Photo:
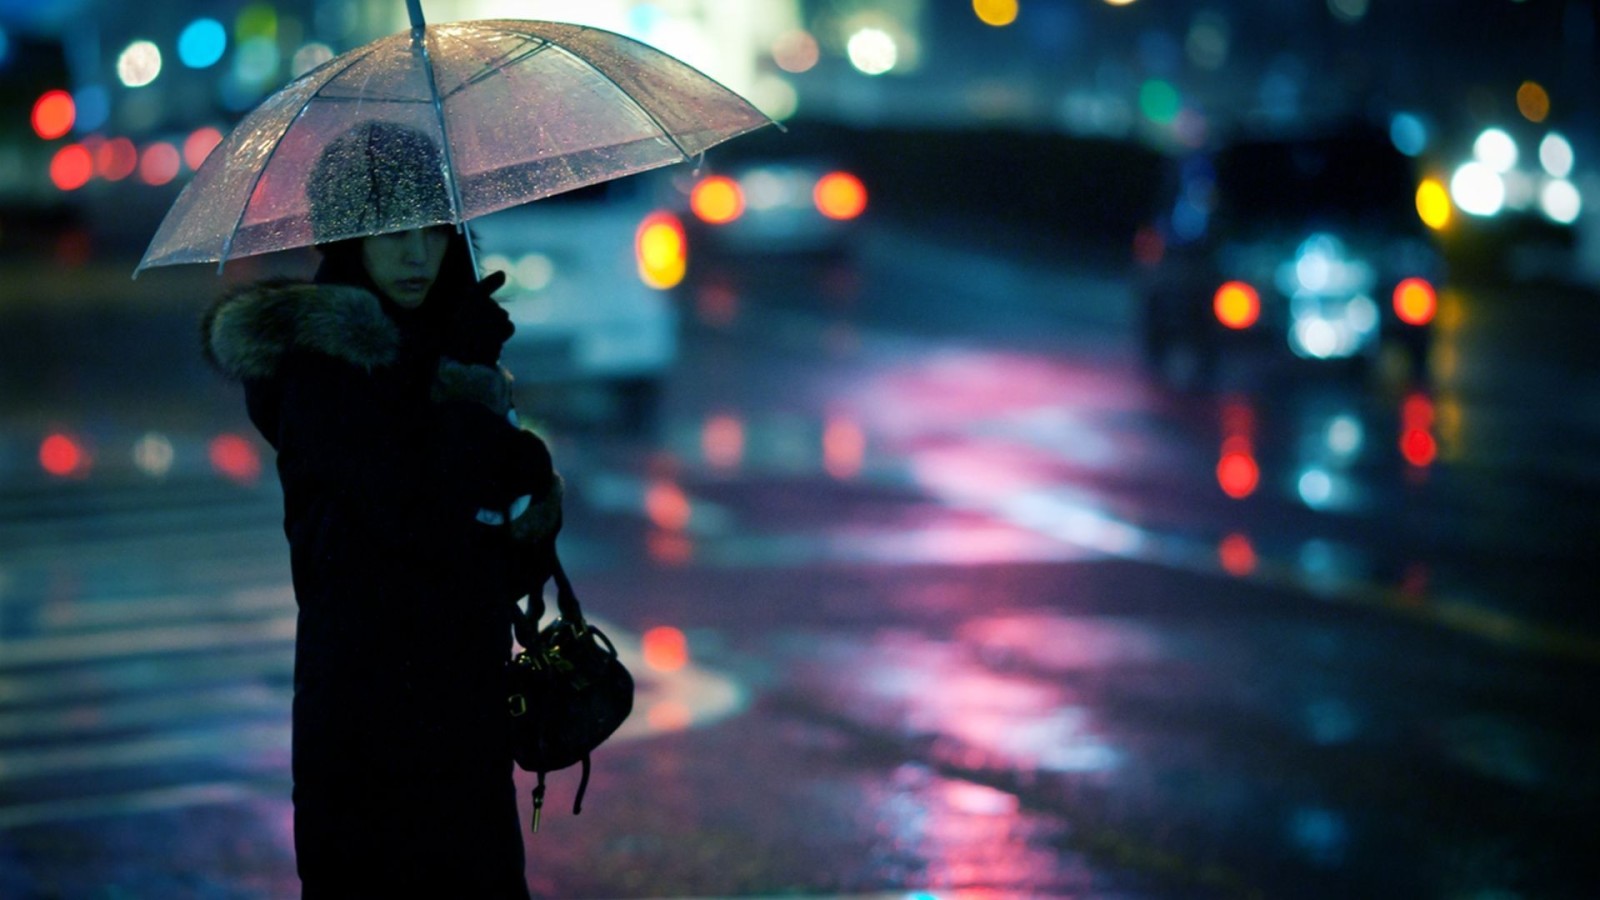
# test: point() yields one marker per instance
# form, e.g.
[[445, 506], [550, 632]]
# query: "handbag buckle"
[[519, 705]]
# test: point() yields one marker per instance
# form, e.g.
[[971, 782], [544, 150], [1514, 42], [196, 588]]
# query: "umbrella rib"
[[506, 60], [227, 245], [665, 132], [453, 182]]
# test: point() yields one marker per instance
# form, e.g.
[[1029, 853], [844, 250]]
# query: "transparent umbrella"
[[494, 113]]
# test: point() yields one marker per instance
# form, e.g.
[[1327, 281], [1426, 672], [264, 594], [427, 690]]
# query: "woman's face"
[[404, 264]]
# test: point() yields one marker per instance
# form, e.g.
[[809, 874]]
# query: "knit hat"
[[376, 178]]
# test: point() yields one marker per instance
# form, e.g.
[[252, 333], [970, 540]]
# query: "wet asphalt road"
[[933, 590]]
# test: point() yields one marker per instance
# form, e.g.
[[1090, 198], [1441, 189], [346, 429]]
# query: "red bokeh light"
[[62, 456], [71, 167], [1418, 447], [1237, 555], [159, 163], [1238, 474], [665, 648], [116, 159], [235, 458], [667, 506], [199, 144], [53, 114]]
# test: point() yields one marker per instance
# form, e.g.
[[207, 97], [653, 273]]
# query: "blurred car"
[[1311, 246], [801, 205], [589, 275], [1518, 204]]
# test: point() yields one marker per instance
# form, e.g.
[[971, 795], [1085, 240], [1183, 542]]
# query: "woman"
[[376, 383]]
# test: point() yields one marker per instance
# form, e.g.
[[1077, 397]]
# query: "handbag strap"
[[526, 624]]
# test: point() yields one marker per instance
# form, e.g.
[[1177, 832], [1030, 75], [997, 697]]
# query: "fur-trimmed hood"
[[249, 330]]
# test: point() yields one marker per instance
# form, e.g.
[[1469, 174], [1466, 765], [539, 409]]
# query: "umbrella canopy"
[[501, 111]]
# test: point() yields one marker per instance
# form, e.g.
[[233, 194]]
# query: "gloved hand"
[[480, 326], [488, 385]]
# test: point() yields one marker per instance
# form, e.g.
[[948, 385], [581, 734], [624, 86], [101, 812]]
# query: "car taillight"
[[662, 250], [840, 195], [717, 200], [1237, 305], [1415, 301]]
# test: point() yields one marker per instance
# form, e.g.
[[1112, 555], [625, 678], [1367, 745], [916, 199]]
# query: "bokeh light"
[[722, 441], [1415, 301], [234, 457], [116, 159], [309, 57], [1237, 472], [666, 505], [255, 61], [1433, 204], [844, 447], [153, 454], [258, 20], [1237, 555], [94, 107], [63, 456], [998, 13], [1560, 201], [872, 51], [1533, 101], [71, 167], [717, 200], [1408, 133], [661, 251], [1159, 101], [1495, 149], [159, 163], [1237, 305], [840, 195], [139, 64], [53, 114], [664, 648], [1208, 41], [1555, 155], [199, 144], [1348, 11], [202, 43], [795, 51], [1477, 189]]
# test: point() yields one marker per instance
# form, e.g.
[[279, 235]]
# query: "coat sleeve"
[[399, 460]]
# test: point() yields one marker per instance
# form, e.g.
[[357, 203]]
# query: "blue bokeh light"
[[1409, 134], [93, 104], [202, 43]]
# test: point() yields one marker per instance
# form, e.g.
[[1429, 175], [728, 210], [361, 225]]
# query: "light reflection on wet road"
[[925, 596]]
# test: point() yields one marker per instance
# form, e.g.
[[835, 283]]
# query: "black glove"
[[480, 326]]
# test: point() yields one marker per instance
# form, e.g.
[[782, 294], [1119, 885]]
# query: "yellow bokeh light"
[[1533, 101], [1237, 305], [998, 13], [1433, 204], [662, 251]]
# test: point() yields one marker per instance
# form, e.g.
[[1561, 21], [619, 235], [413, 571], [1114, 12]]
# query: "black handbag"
[[568, 691]]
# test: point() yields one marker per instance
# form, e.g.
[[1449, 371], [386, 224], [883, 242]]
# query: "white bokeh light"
[[1477, 189], [872, 51], [139, 64], [1495, 149], [1560, 201], [1555, 154]]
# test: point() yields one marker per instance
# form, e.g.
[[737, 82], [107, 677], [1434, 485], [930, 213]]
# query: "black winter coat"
[[401, 766]]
